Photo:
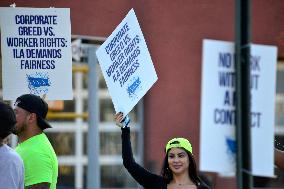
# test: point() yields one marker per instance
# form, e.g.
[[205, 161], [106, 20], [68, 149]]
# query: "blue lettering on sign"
[[132, 88], [227, 79], [226, 60], [38, 83]]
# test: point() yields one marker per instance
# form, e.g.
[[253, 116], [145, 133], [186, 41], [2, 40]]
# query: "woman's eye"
[[171, 156]]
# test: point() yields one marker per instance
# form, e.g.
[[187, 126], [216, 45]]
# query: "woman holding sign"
[[179, 168]]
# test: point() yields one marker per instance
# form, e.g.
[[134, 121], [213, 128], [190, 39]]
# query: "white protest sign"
[[76, 49], [80, 50], [218, 142], [126, 64], [36, 52]]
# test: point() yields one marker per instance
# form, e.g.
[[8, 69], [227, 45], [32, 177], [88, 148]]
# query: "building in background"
[[174, 31]]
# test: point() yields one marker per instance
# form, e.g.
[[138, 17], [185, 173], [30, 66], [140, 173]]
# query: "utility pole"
[[243, 97], [93, 177]]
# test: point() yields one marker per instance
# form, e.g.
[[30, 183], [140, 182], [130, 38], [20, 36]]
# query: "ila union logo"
[[38, 83]]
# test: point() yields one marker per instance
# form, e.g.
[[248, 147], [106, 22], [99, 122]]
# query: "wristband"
[[125, 122]]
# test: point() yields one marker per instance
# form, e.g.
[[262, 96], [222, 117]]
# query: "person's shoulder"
[[10, 151], [39, 142], [12, 155]]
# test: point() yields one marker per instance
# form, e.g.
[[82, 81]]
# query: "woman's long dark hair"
[[167, 173]]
